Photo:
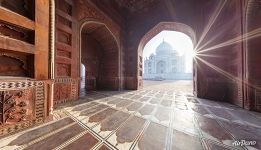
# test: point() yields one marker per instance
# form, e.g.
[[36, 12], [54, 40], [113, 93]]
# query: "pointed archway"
[[168, 26], [99, 52]]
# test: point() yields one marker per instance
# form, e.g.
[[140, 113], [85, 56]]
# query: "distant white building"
[[166, 64]]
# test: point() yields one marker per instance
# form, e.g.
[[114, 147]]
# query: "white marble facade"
[[166, 64]]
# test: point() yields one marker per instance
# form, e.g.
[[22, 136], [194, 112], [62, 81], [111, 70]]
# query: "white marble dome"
[[165, 49]]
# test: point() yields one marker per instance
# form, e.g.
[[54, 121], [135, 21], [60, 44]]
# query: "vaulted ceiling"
[[135, 5], [123, 11], [127, 6], [120, 10], [102, 35]]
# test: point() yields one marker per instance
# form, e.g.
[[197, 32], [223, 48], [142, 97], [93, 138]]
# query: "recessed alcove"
[[16, 64], [18, 33], [25, 8]]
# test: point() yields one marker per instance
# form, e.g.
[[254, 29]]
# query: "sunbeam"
[[211, 21], [250, 35], [218, 34], [208, 55], [209, 41], [226, 74]]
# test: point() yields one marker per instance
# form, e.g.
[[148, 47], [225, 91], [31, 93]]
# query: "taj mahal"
[[166, 64]]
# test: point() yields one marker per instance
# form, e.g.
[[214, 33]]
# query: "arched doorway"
[[161, 67], [99, 53], [167, 26]]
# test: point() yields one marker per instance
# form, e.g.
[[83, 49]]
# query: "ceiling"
[[124, 11], [133, 6], [120, 10]]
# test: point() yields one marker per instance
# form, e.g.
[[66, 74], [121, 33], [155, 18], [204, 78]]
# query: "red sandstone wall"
[[253, 59], [223, 82]]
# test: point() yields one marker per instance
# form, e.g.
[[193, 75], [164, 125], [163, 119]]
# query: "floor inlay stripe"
[[46, 136]]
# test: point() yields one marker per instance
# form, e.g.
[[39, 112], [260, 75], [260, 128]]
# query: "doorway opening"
[[100, 56], [168, 58], [167, 52], [83, 74]]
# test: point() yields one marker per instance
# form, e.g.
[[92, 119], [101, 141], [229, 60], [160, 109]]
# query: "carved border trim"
[[64, 80], [16, 85]]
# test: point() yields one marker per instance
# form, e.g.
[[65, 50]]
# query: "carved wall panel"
[[17, 106], [62, 92], [22, 105], [64, 21], [63, 70], [64, 6], [63, 53], [64, 37], [65, 89]]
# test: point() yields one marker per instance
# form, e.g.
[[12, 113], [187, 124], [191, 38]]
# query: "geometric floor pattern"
[[148, 119]]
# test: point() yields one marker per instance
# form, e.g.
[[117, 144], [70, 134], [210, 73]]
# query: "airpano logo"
[[244, 143]]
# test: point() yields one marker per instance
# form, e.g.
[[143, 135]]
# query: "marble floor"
[[160, 116]]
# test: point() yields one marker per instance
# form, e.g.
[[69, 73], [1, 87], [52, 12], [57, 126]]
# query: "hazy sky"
[[179, 41]]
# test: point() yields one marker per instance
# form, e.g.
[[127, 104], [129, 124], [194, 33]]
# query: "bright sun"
[[193, 53]]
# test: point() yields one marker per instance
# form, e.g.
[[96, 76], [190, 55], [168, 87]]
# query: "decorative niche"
[[16, 64], [17, 33], [65, 7], [25, 8]]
